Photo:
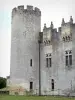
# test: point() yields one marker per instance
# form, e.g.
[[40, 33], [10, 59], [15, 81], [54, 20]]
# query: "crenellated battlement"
[[66, 24], [29, 9]]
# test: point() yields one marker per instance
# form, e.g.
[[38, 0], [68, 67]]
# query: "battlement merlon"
[[35, 10], [21, 7], [14, 10], [18, 8], [29, 8]]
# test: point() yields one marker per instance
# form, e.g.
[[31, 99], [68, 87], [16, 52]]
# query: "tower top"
[[29, 9]]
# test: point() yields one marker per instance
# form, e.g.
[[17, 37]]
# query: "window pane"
[[50, 62], [52, 83], [30, 62], [70, 59], [31, 85], [52, 86], [66, 60], [46, 62]]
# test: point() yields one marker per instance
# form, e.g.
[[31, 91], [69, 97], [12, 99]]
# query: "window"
[[68, 58], [63, 39], [31, 85], [30, 62], [48, 60], [52, 84]]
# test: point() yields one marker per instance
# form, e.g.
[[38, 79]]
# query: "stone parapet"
[[36, 11]]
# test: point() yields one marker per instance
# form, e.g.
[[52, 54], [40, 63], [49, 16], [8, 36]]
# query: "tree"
[[2, 82]]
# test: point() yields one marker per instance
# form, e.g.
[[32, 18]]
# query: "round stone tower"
[[25, 28]]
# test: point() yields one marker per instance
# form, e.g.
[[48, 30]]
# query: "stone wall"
[[26, 25], [64, 77]]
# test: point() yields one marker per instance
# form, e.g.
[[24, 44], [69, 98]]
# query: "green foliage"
[[2, 82]]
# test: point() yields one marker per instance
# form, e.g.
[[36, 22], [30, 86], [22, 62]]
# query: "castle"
[[42, 61]]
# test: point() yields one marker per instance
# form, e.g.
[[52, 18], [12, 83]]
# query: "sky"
[[52, 10]]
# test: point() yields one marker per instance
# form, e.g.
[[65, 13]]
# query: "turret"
[[71, 20], [44, 26], [63, 22], [52, 26]]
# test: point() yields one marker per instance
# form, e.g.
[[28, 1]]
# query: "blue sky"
[[5, 42], [52, 10]]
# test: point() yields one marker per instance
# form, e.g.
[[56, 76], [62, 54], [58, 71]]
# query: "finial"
[[63, 22], [71, 19], [51, 25], [44, 25]]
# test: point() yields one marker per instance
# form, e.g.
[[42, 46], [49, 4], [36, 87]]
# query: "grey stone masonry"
[[25, 28], [56, 52]]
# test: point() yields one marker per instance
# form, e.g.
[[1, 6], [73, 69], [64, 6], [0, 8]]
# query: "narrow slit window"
[[31, 85], [52, 84], [66, 60], [30, 62], [50, 62], [46, 62], [70, 59]]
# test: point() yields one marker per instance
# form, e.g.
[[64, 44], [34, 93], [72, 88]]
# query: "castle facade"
[[42, 61]]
